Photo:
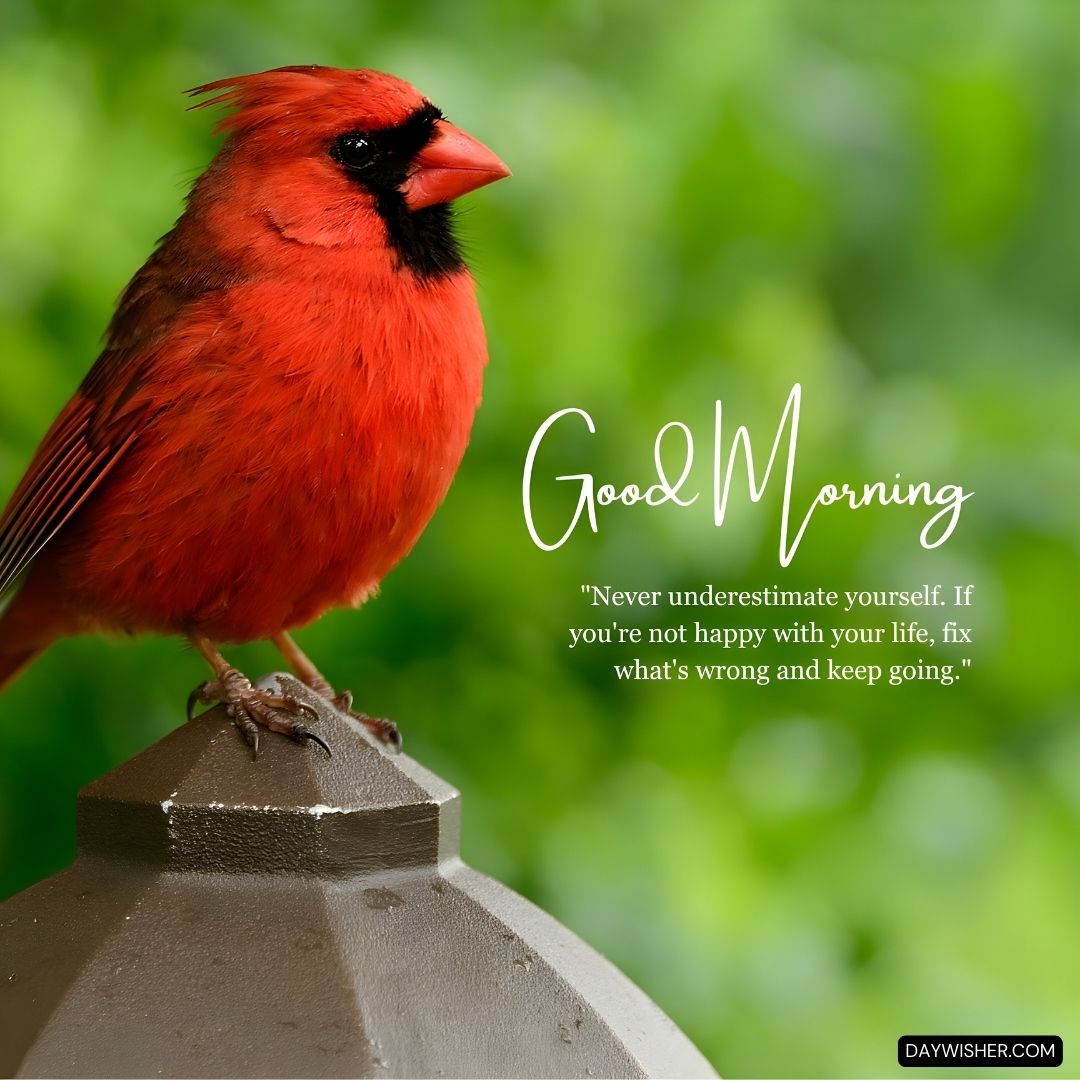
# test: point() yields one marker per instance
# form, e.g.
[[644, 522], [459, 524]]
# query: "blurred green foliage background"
[[711, 199]]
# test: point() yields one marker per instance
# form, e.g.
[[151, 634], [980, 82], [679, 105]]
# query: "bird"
[[286, 390]]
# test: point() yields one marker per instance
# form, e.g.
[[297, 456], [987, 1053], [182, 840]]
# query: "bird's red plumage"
[[280, 407]]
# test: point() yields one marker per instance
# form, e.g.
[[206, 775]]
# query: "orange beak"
[[452, 164]]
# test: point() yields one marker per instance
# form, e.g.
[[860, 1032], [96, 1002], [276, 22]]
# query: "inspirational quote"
[[731, 638]]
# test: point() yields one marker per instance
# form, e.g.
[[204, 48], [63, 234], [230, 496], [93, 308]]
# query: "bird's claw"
[[250, 731], [197, 696], [250, 708], [386, 731], [301, 735]]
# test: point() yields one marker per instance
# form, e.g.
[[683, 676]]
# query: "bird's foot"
[[386, 731], [250, 708]]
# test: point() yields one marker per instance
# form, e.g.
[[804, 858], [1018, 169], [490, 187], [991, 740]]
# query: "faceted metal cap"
[[300, 916]]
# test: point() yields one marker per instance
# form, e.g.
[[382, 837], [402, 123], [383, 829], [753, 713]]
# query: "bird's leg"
[[384, 730], [248, 707]]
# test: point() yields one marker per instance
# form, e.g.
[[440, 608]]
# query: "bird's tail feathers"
[[28, 626], [12, 663]]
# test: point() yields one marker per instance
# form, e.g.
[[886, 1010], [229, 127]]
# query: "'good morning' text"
[[948, 498]]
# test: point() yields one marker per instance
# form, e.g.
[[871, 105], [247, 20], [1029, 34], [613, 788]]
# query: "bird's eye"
[[355, 151]]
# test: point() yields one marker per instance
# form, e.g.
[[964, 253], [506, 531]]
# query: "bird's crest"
[[308, 97]]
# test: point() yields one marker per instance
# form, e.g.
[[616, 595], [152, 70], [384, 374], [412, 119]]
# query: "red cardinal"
[[286, 391]]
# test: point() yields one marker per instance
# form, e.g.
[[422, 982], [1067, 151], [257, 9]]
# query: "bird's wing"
[[98, 425], [88, 438]]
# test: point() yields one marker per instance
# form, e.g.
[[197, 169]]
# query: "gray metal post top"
[[299, 916]]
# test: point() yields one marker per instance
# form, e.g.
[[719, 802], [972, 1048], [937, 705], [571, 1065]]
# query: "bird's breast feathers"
[[332, 422]]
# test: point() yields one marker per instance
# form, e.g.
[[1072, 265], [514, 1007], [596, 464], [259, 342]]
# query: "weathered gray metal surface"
[[304, 917]]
